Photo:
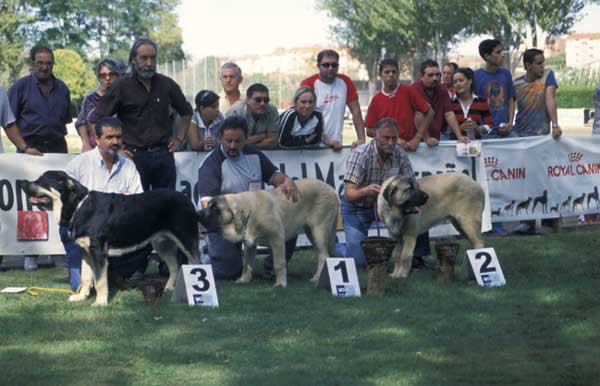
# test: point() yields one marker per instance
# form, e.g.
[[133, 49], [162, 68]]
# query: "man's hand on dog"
[[371, 190], [288, 187]]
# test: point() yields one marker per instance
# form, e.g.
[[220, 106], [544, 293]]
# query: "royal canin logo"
[[574, 167], [575, 156], [490, 162], [499, 174]]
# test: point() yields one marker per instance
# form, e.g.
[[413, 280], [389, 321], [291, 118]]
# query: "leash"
[[35, 291], [376, 218]]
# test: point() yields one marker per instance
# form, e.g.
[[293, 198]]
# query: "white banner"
[[322, 164], [539, 177]]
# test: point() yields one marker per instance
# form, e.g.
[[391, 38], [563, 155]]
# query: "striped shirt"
[[363, 168], [478, 111]]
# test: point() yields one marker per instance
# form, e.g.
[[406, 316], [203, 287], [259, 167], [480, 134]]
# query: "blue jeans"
[[73, 253], [357, 221], [226, 257]]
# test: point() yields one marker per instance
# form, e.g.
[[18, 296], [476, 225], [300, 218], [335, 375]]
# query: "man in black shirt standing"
[[141, 100]]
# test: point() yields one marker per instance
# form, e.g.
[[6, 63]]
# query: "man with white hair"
[[231, 78]]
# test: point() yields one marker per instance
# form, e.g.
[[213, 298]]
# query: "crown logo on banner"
[[575, 156], [490, 162]]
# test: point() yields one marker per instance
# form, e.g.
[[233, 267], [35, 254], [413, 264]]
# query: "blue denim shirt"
[[36, 114]]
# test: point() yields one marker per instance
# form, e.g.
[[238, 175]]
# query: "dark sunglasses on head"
[[328, 65], [266, 100], [208, 94]]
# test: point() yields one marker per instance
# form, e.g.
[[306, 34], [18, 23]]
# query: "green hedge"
[[573, 97]]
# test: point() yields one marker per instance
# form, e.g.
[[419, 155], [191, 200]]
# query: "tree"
[[69, 66], [403, 29], [106, 27], [12, 40]]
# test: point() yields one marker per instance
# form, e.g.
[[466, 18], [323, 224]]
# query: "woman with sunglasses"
[[301, 125], [107, 71], [207, 118], [472, 112]]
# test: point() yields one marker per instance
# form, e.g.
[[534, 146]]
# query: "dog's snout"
[[419, 198]]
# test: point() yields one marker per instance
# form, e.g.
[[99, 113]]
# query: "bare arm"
[[14, 134], [353, 193], [453, 123], [511, 115], [422, 130], [85, 138], [551, 108], [359, 123], [184, 125]]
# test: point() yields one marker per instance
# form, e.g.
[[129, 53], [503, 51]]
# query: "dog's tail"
[[192, 257]]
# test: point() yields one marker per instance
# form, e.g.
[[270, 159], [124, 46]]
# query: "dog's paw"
[[77, 297], [314, 279], [399, 274], [243, 280], [281, 284], [100, 303]]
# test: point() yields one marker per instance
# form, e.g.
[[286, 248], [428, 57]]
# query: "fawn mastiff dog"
[[410, 207], [269, 218]]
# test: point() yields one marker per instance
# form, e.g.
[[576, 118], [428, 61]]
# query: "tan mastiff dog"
[[409, 209], [269, 218]]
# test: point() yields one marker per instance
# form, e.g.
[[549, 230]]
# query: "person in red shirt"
[[401, 103], [471, 110], [436, 94]]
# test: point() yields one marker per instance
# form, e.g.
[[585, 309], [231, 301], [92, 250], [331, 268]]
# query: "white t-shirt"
[[331, 101], [90, 170]]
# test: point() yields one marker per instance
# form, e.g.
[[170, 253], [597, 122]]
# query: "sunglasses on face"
[[266, 100], [330, 65]]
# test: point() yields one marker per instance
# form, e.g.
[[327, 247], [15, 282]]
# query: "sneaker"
[[30, 264], [60, 261], [524, 229]]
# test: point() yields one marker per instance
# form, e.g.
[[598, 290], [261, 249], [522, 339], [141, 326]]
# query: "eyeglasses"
[[266, 100], [43, 64], [107, 75], [330, 65]]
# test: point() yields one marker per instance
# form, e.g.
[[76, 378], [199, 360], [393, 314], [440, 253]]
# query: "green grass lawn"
[[543, 328]]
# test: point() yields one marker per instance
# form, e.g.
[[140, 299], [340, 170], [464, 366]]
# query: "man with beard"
[[367, 167], [436, 94], [105, 170], [141, 100]]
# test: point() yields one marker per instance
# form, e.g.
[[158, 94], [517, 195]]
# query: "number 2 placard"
[[486, 267], [342, 277]]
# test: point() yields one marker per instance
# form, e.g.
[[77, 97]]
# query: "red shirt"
[[401, 106], [441, 104]]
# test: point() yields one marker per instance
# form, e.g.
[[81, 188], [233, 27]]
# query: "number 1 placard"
[[342, 277], [196, 283], [486, 267]]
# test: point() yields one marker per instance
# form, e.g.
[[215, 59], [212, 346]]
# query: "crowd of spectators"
[[154, 119]]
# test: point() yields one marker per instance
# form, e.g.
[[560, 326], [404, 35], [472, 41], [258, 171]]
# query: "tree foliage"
[[71, 69], [106, 27], [12, 39], [411, 30]]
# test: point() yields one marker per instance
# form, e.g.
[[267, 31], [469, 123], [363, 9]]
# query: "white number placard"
[[486, 267], [196, 283], [342, 277]]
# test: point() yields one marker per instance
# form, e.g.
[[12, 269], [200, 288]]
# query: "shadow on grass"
[[540, 329]]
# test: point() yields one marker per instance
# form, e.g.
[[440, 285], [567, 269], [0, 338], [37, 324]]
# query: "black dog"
[[108, 224], [578, 202], [523, 205], [543, 200], [593, 196], [510, 208]]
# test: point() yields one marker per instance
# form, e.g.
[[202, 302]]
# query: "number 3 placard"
[[486, 267], [196, 283]]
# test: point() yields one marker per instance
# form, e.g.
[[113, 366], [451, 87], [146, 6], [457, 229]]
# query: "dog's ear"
[[389, 191]]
